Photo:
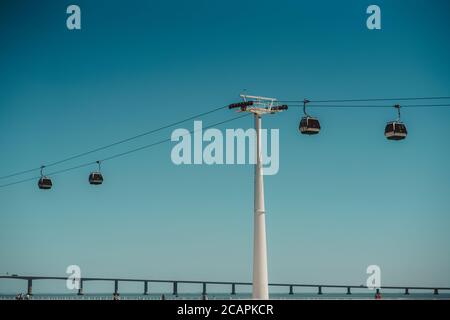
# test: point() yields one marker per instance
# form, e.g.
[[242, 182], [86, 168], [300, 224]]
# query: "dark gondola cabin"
[[309, 125], [45, 183], [95, 178], [395, 130]]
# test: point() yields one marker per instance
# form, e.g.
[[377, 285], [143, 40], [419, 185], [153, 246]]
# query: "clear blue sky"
[[342, 200]]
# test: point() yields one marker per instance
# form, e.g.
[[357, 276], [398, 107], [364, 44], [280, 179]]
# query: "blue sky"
[[341, 201]]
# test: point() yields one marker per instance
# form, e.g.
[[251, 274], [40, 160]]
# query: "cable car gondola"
[[395, 130], [308, 125], [44, 182], [96, 178]]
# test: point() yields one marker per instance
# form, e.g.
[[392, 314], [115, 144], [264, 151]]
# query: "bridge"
[[231, 284]]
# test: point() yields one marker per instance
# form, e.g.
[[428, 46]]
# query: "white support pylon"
[[259, 106], [260, 277]]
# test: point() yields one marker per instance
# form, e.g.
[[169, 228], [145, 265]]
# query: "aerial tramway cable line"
[[394, 130]]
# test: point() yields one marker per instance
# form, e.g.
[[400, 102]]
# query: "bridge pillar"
[[291, 289], [116, 286], [233, 288], [80, 289], [406, 291], [175, 288], [349, 290], [204, 288], [30, 287], [436, 291], [320, 290], [145, 288]]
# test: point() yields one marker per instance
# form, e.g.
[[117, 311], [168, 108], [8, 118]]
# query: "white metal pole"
[[260, 278]]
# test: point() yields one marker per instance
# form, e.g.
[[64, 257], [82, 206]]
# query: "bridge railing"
[[290, 287]]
